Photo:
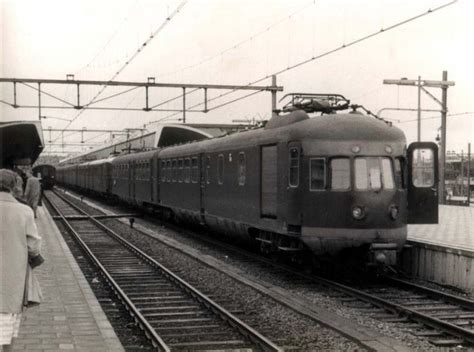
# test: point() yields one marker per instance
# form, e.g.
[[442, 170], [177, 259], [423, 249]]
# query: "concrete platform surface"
[[70, 317], [455, 228]]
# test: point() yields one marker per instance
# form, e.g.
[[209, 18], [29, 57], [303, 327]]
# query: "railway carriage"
[[46, 174], [134, 178], [339, 184], [99, 176]]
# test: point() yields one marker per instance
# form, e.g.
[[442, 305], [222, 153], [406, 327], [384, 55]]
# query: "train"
[[315, 179], [47, 175]]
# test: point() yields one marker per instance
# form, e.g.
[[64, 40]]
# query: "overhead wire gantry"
[[38, 85]]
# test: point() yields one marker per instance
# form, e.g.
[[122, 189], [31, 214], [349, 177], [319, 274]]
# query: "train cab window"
[[294, 162], [194, 170], [180, 170], [387, 174], [373, 173], [174, 172], [220, 169], [340, 174], [317, 176], [399, 174], [242, 168], [187, 170], [422, 166]]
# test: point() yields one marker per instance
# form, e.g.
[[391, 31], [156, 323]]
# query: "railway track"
[[174, 315], [445, 320]]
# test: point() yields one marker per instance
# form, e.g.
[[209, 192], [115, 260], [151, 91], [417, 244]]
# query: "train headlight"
[[358, 212], [393, 211]]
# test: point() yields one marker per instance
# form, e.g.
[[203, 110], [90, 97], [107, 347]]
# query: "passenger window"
[[399, 174], [294, 163], [242, 168], [208, 170], [340, 174], [220, 169], [174, 171], [317, 175], [422, 166], [187, 170], [194, 170], [163, 171], [180, 170], [168, 170]]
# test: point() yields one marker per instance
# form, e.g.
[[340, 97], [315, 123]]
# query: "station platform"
[[455, 228], [443, 253], [70, 317]]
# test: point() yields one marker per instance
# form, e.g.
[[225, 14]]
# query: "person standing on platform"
[[18, 190], [32, 191], [19, 243]]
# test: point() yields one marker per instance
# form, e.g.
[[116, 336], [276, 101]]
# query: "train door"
[[294, 196], [155, 178], [204, 180], [131, 179], [422, 183], [268, 181]]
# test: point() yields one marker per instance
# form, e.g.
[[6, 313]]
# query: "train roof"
[[43, 166], [135, 156], [298, 126]]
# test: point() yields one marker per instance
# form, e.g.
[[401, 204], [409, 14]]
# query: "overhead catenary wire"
[[316, 57], [130, 60], [108, 41], [465, 113], [240, 43]]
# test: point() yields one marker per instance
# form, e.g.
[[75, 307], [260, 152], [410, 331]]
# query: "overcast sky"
[[238, 42]]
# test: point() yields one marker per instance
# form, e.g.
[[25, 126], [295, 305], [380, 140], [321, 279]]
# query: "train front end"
[[351, 201]]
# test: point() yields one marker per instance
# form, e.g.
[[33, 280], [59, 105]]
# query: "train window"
[[340, 174], [208, 170], [373, 173], [220, 169], [387, 174], [180, 170], [294, 167], [174, 172], [163, 171], [168, 170], [399, 175], [187, 170], [194, 170], [317, 176], [242, 168], [422, 166]]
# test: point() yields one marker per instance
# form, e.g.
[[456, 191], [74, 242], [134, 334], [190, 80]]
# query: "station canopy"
[[21, 142]]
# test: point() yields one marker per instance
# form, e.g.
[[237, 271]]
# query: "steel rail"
[[462, 302], [231, 319], [138, 317]]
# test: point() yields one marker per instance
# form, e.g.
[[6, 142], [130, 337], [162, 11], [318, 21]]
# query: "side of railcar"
[[121, 183], [99, 176], [180, 182], [144, 175]]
